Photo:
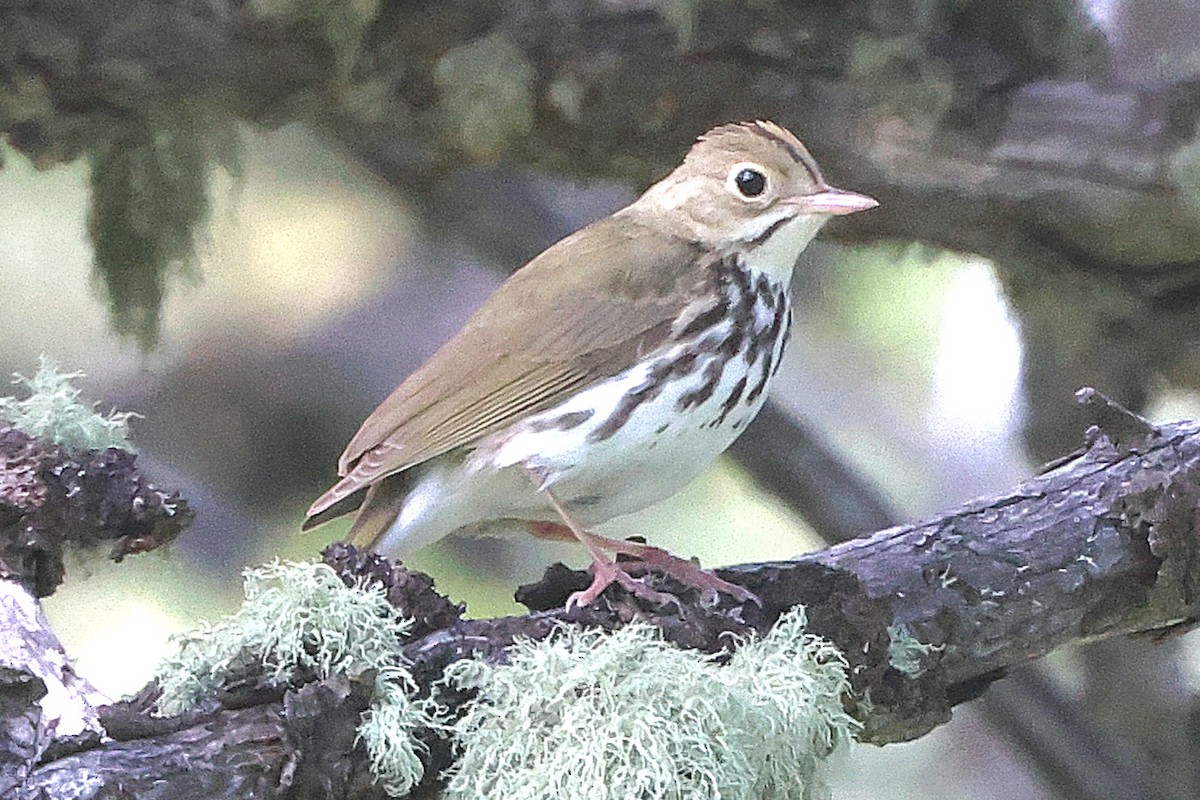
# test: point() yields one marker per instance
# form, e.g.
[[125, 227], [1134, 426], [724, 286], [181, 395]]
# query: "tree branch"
[[1076, 756], [51, 498], [1102, 544], [965, 134]]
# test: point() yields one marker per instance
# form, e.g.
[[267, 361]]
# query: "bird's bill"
[[834, 202]]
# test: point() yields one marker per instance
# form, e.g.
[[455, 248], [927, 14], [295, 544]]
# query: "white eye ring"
[[748, 181]]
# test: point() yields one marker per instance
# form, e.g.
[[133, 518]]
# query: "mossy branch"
[[69, 478], [1103, 543]]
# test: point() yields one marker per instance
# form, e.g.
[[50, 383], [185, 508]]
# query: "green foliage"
[[301, 616], [629, 716], [53, 411]]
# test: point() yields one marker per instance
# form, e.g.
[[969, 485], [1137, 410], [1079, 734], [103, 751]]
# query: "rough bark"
[[1102, 544], [52, 499], [1076, 754]]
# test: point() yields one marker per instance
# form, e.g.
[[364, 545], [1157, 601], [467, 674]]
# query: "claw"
[[605, 573], [681, 569]]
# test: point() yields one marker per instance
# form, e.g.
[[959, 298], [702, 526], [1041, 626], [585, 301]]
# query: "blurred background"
[[250, 238]]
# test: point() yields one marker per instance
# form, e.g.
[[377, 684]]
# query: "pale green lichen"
[[388, 728], [907, 653], [53, 411], [628, 716], [301, 615]]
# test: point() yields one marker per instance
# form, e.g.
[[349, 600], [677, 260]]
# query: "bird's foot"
[[683, 570], [604, 574]]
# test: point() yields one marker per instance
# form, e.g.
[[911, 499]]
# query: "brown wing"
[[582, 310]]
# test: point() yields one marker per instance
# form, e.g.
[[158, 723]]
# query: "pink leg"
[[685, 571], [552, 531], [606, 571]]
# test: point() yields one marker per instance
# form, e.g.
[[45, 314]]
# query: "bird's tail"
[[379, 510], [377, 505]]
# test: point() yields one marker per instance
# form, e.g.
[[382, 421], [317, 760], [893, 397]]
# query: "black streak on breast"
[[731, 402], [766, 345], [736, 294], [660, 374]]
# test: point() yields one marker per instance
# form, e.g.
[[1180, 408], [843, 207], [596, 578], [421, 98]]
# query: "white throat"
[[777, 256]]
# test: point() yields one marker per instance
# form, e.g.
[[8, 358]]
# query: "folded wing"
[[583, 310]]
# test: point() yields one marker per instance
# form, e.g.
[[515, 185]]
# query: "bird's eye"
[[750, 182]]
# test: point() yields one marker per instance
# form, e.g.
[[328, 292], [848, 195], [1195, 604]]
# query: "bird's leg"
[[606, 571], [552, 531]]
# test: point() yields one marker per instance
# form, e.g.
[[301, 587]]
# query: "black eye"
[[750, 182]]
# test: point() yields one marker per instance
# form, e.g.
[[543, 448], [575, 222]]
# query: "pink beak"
[[835, 202]]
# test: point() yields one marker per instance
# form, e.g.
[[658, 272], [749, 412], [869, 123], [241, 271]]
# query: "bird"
[[605, 374]]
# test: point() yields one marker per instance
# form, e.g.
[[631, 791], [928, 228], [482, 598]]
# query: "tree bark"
[[52, 500], [1102, 544]]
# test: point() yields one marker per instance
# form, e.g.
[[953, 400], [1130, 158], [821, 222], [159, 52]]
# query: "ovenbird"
[[605, 374]]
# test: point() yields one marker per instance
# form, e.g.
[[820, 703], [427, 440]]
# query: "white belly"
[[654, 453], [641, 436]]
